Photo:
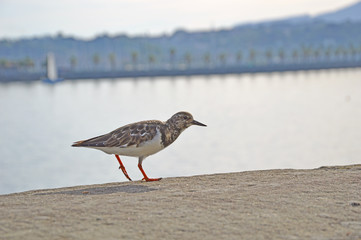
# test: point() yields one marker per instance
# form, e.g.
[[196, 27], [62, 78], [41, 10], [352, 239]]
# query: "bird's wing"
[[129, 135]]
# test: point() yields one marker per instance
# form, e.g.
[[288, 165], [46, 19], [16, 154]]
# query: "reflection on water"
[[260, 121]]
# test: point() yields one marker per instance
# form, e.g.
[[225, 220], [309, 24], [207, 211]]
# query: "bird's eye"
[[185, 117]]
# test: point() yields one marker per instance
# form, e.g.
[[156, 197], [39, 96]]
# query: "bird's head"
[[183, 120]]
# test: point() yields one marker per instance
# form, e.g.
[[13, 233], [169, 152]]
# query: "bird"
[[141, 139]]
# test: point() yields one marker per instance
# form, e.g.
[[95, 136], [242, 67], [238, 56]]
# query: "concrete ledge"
[[321, 203]]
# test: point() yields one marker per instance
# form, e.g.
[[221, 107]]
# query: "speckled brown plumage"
[[128, 135]]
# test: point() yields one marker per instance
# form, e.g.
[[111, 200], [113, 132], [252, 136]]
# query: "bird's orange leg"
[[146, 178], [122, 167]]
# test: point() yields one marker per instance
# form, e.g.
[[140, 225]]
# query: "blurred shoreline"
[[78, 75]]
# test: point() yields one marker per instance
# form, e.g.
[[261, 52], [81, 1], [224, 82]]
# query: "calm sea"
[[259, 121]]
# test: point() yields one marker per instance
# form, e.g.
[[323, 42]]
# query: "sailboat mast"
[[51, 70]]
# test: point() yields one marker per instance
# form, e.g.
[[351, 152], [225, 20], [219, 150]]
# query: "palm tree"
[[29, 63], [188, 59], [353, 51], [345, 53], [73, 62], [96, 60], [134, 60], [328, 52], [295, 55], [306, 52], [112, 61], [172, 57], [3, 63], [316, 54], [281, 55], [26, 63], [151, 60], [207, 59], [223, 59], [239, 57], [269, 56], [252, 56], [338, 52]]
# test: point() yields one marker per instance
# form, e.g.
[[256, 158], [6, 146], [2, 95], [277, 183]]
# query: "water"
[[260, 121]]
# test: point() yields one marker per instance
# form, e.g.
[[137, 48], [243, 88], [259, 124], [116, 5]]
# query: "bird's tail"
[[78, 143]]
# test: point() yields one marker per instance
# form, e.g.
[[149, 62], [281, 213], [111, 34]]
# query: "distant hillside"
[[273, 40], [351, 13]]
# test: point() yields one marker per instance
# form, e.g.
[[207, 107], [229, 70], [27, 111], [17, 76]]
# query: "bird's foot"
[[125, 173], [151, 179], [122, 167]]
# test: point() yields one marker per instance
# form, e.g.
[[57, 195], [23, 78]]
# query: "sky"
[[89, 18]]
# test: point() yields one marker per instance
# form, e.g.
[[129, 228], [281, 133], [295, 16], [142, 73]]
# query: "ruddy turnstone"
[[141, 139]]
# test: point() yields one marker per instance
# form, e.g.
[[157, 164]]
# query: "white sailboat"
[[51, 70]]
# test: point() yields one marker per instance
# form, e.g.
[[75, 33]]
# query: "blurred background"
[[278, 83]]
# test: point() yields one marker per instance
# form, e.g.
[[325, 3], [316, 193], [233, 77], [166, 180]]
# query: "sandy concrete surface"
[[321, 203]]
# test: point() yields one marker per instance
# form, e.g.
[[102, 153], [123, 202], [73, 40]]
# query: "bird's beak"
[[194, 122]]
